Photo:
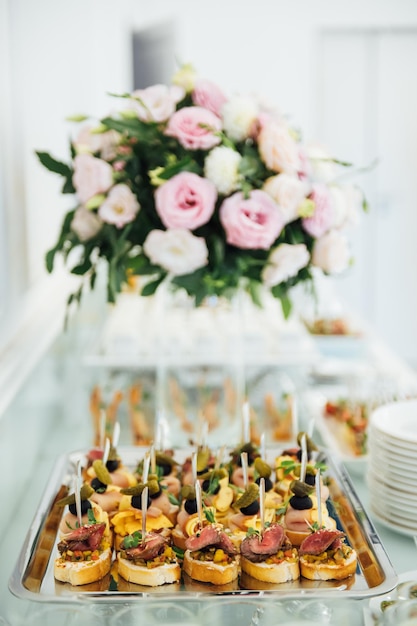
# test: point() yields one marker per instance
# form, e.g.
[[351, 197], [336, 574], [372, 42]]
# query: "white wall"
[[65, 57]]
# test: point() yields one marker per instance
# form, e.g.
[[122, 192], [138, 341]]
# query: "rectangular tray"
[[33, 577]]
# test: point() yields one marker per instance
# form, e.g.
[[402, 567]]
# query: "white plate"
[[405, 516], [375, 603], [403, 493], [400, 466], [397, 419], [394, 478], [390, 444], [403, 529]]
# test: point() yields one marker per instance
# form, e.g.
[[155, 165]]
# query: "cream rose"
[[176, 250], [239, 117], [346, 201], [120, 206], [89, 141], [288, 192], [284, 262], [331, 252], [278, 148], [222, 168], [86, 224], [91, 176], [156, 103]]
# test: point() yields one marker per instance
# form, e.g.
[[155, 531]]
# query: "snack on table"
[[211, 556], [325, 556], [348, 421], [269, 556], [151, 562], [86, 550]]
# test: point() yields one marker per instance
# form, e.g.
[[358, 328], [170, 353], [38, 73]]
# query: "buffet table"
[[33, 434]]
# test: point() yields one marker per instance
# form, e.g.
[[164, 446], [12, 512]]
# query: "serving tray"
[[33, 578]]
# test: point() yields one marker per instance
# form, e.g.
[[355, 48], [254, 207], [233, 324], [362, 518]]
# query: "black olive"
[[251, 509], [85, 506], [112, 465], [310, 479], [153, 496], [137, 502], [206, 487], [165, 468], [268, 483], [191, 506], [301, 502], [98, 486], [203, 471]]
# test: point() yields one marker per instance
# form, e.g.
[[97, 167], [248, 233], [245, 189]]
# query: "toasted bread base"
[[269, 572], [329, 571], [150, 577], [83, 572], [209, 572]]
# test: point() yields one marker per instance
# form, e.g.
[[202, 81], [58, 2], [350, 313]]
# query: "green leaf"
[[82, 268], [53, 165], [49, 259], [150, 288], [286, 305]]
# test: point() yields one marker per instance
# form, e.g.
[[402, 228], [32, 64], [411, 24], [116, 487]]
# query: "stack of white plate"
[[392, 465]]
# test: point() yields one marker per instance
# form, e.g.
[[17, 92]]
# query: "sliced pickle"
[[85, 492], [136, 490], [264, 470], [203, 456], [102, 472], [300, 489], [153, 487], [164, 459], [250, 495], [188, 492]]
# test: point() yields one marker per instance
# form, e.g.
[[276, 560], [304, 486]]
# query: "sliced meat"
[[226, 544], [209, 536], [257, 548], [153, 545], [318, 542], [83, 538]]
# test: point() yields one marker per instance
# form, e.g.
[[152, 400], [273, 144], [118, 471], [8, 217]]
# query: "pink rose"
[[322, 218], [195, 128], [91, 176], [209, 96], [252, 223], [157, 103], [185, 201]]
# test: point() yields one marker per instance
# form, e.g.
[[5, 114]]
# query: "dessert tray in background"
[[33, 575]]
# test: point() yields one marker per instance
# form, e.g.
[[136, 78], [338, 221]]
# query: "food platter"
[[33, 577]]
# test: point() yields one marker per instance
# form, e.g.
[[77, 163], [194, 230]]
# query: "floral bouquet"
[[210, 192]]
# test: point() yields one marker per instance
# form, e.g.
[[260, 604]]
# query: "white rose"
[[85, 224], [284, 262], [91, 176], [89, 141], [288, 192], [331, 252], [222, 168], [278, 148], [323, 168], [176, 250], [185, 77], [347, 201], [157, 103], [120, 207], [239, 116]]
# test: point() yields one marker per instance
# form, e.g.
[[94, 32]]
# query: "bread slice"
[[209, 572], [150, 577], [328, 570], [83, 572], [271, 572]]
